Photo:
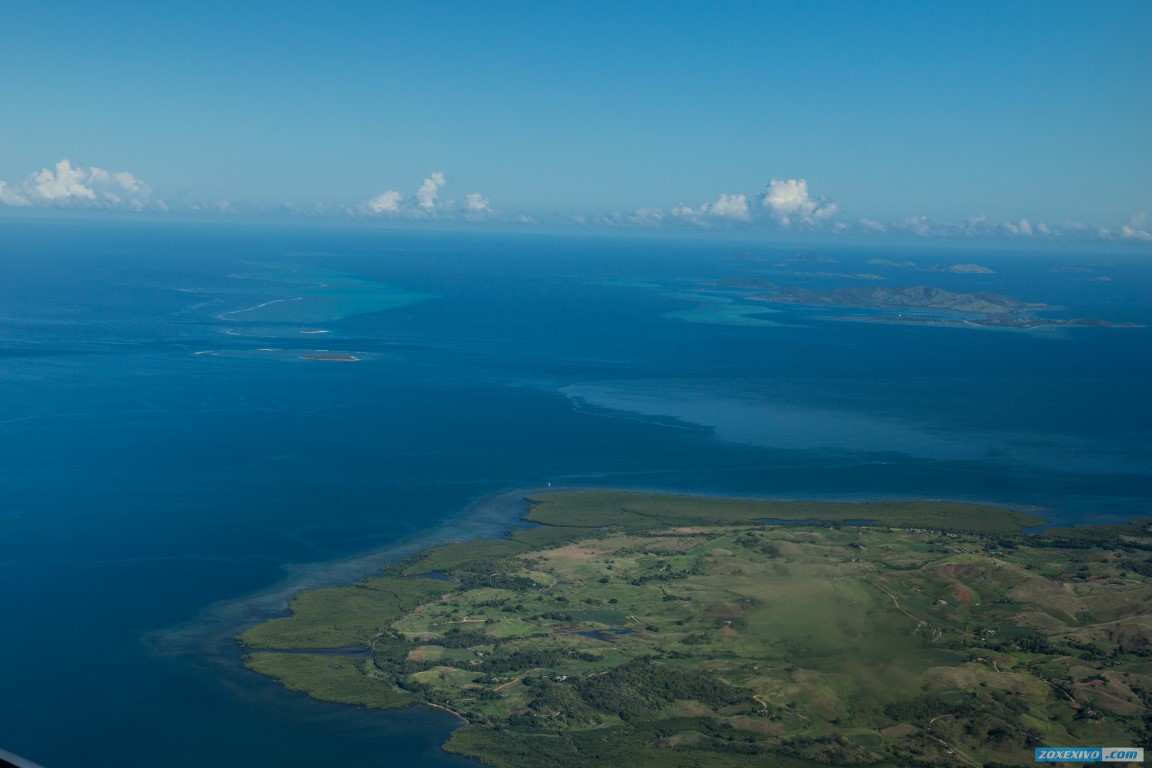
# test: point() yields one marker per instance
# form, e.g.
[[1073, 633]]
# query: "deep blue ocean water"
[[164, 449]]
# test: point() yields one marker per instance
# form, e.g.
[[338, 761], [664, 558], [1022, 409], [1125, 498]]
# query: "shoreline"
[[205, 645], [443, 708], [737, 567], [209, 635], [206, 641]]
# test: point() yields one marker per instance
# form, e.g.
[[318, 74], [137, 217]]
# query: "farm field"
[[670, 630]]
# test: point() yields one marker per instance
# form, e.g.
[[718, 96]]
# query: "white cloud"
[[727, 208], [789, 202], [68, 185], [1135, 229], [128, 182], [66, 182], [786, 204], [429, 190], [474, 202], [9, 196], [426, 203], [386, 202], [641, 217], [789, 205], [651, 216], [1022, 228], [730, 207], [916, 225]]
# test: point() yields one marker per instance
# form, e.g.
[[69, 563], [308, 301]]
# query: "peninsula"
[[650, 629]]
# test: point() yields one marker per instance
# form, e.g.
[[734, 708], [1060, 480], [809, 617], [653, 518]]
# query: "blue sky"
[[944, 117]]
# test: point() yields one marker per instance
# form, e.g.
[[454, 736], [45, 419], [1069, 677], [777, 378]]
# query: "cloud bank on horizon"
[[784, 205], [74, 186], [425, 203]]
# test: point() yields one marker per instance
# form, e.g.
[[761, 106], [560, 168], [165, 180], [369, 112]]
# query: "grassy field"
[[669, 630]]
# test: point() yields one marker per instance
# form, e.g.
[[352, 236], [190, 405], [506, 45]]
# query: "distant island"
[[970, 269], [963, 269], [337, 357], [982, 308], [890, 263], [648, 629], [915, 297]]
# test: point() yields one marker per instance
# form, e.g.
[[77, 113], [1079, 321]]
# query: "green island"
[[647, 629]]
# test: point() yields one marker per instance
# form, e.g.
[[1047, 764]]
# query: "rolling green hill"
[[669, 630]]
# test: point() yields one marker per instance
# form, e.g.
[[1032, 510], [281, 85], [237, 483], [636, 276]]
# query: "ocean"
[[197, 419]]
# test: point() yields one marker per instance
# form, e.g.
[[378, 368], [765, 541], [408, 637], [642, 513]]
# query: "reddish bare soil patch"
[[953, 571], [722, 610]]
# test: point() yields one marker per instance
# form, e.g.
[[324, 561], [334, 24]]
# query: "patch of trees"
[[515, 661], [1003, 732], [640, 581], [1143, 568], [641, 688], [833, 750], [524, 744], [1114, 543], [1011, 701], [461, 638], [555, 616], [753, 542], [1032, 643], [413, 686], [562, 702], [925, 708], [496, 580], [1088, 651]]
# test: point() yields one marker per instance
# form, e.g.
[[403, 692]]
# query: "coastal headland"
[[657, 629]]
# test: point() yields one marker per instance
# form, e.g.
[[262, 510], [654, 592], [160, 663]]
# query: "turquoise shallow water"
[[166, 453]]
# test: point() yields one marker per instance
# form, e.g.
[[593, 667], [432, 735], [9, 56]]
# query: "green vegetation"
[[343, 616], [591, 509], [678, 631]]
